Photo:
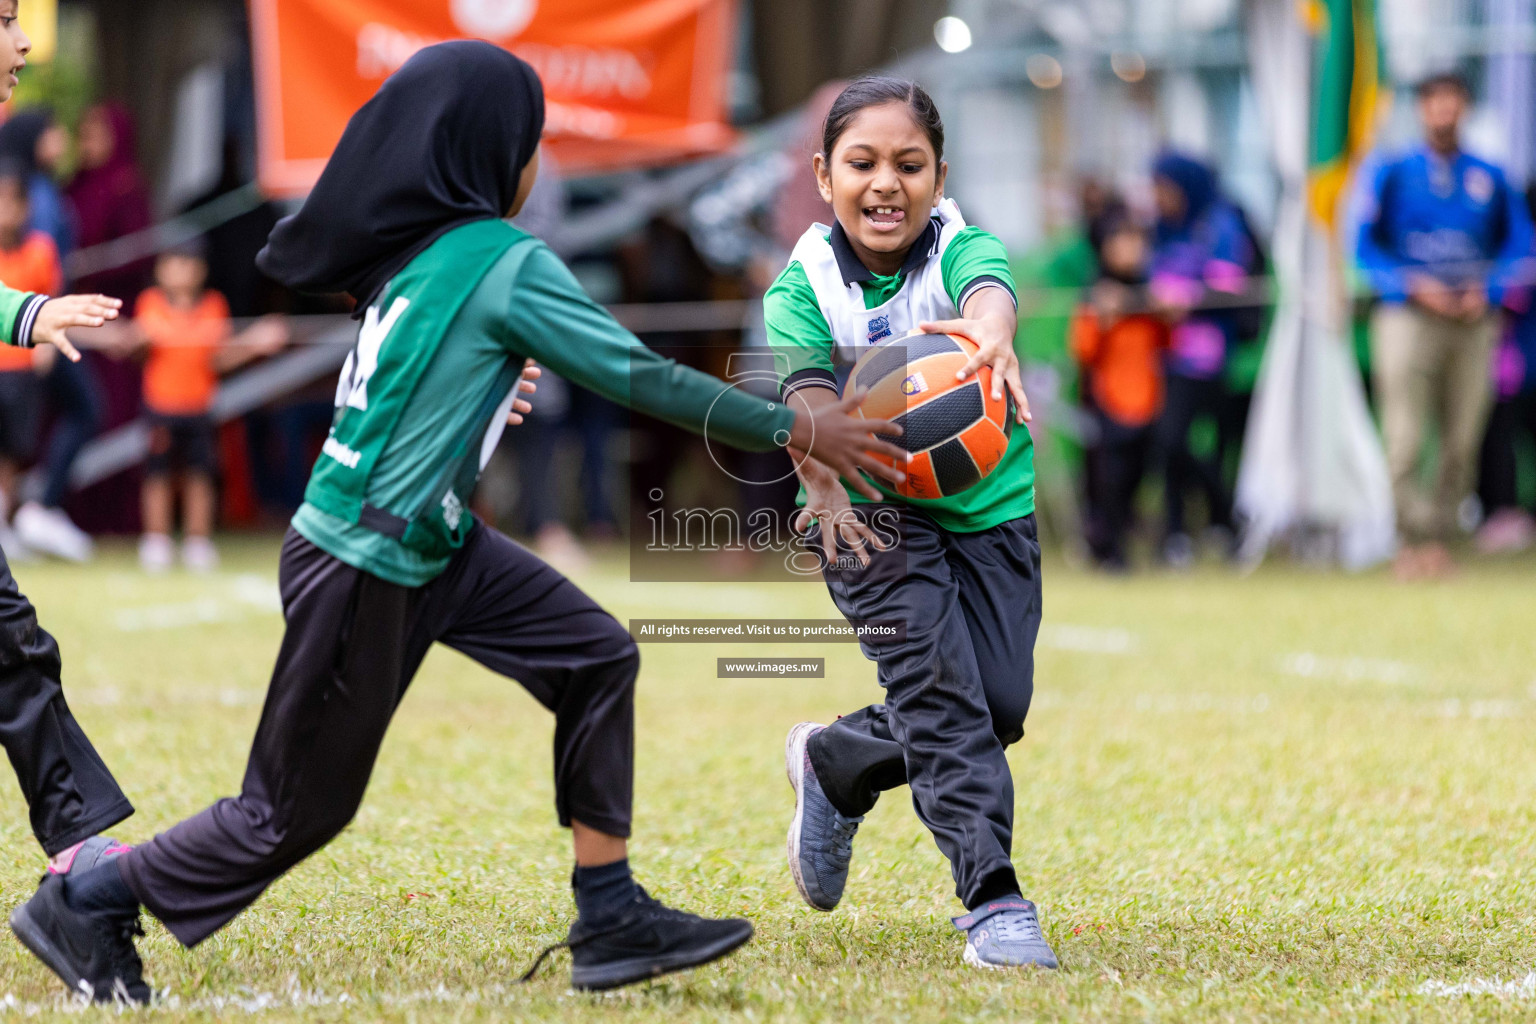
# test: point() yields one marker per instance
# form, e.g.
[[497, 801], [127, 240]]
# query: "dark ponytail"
[[874, 90]]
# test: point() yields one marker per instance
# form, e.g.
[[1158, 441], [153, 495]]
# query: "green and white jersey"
[[826, 309], [424, 396]]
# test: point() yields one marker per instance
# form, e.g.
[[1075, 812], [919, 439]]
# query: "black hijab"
[[441, 144], [19, 135]]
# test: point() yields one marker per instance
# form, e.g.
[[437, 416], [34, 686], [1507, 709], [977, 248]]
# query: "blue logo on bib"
[[879, 327]]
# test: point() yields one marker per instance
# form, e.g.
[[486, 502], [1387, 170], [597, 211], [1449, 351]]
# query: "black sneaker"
[[93, 953], [648, 940]]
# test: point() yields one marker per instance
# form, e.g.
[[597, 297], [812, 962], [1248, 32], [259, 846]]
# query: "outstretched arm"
[[267, 336], [28, 320], [552, 320]]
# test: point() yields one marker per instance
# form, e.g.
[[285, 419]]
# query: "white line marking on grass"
[[1525, 988], [111, 696], [177, 616], [1373, 670], [1455, 708], [294, 999], [1184, 703], [1088, 639], [256, 591], [244, 596]]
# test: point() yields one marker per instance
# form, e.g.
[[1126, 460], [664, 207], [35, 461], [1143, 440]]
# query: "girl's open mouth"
[[884, 218]]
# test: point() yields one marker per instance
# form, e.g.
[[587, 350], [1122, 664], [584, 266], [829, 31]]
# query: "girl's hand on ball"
[[525, 385], [993, 336]]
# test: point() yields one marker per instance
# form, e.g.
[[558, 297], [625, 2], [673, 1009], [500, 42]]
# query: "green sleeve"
[[797, 331], [18, 312], [550, 318], [971, 255]]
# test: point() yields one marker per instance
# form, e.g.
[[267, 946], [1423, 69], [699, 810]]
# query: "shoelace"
[[1017, 926], [645, 906], [122, 956], [843, 831]]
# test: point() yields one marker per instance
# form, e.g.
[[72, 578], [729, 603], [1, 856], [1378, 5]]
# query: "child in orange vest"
[[185, 327], [1120, 342], [29, 262]]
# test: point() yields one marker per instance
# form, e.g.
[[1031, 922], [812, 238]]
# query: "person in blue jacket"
[[1442, 236]]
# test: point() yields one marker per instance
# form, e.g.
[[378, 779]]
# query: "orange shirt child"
[[1123, 357], [32, 266], [179, 376]]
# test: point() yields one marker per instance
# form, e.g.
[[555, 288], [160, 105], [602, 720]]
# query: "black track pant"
[[1187, 399], [70, 794], [352, 644], [957, 688], [1121, 461], [1498, 482]]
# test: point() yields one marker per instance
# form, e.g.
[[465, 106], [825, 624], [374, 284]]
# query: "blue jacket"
[[1454, 219]]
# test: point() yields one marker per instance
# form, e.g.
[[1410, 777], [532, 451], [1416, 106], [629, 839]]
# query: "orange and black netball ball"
[[956, 431]]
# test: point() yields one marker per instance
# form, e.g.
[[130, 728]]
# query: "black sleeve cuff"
[[976, 284], [26, 319], [811, 378]]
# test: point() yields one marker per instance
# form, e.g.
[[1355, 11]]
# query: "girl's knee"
[[289, 835], [1008, 723], [23, 643], [617, 655], [303, 838]]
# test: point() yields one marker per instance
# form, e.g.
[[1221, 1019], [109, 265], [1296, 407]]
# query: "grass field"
[[1297, 796]]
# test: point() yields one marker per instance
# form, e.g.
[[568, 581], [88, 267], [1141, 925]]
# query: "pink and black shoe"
[[87, 855]]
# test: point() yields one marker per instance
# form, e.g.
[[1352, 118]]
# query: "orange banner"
[[628, 82]]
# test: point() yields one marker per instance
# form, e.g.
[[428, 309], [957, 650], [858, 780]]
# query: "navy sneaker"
[[647, 940], [1005, 933], [93, 953], [820, 843]]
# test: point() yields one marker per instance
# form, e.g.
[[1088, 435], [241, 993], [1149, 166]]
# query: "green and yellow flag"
[[40, 20], [1345, 98]]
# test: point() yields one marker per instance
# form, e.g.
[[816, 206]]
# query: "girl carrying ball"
[[960, 573]]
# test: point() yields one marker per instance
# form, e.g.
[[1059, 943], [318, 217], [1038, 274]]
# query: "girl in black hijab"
[[444, 142], [384, 558]]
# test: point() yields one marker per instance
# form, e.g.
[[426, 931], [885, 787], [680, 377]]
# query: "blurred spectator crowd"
[[1167, 334]]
